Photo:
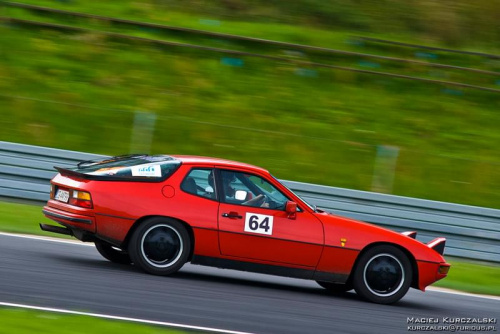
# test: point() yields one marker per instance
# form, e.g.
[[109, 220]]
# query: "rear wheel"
[[383, 275], [335, 287], [160, 246], [111, 253]]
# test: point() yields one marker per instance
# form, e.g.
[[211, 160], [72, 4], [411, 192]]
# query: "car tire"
[[335, 287], [383, 275], [160, 246], [112, 254]]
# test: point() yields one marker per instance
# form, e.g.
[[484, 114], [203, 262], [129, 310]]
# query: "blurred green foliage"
[[447, 22], [80, 92], [451, 23]]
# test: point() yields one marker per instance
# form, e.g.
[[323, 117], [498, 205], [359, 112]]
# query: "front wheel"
[[160, 246], [111, 253], [383, 275]]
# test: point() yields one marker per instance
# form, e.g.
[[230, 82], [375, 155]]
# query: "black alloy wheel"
[[383, 274], [160, 246]]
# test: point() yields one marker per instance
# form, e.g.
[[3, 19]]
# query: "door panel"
[[245, 233]]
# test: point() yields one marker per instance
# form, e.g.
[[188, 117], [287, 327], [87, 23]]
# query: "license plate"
[[62, 195]]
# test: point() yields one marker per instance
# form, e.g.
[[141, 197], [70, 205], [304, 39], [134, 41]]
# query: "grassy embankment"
[[460, 24], [80, 92], [465, 276]]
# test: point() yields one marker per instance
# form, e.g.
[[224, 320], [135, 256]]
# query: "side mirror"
[[240, 195], [291, 209]]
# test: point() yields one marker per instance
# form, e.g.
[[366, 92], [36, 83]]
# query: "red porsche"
[[159, 212]]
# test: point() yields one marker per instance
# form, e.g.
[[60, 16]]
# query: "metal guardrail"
[[471, 232], [25, 170]]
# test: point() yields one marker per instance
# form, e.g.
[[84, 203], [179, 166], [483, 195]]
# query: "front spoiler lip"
[[65, 217]]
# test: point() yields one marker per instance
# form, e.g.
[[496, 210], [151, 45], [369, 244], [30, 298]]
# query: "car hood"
[[356, 235]]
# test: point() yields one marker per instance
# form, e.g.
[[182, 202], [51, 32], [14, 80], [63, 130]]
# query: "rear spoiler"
[[69, 172], [72, 173]]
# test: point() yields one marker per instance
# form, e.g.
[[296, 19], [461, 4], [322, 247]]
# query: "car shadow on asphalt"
[[216, 278], [306, 290]]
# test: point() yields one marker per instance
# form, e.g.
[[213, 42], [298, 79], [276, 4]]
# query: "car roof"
[[194, 160]]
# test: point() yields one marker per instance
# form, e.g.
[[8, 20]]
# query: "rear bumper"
[[70, 219], [65, 217]]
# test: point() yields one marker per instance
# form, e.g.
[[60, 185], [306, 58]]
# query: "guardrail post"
[[142, 132], [385, 167]]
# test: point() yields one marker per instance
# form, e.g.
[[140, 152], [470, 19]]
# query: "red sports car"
[[160, 211]]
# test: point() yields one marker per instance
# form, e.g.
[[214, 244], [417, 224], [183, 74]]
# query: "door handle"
[[232, 215]]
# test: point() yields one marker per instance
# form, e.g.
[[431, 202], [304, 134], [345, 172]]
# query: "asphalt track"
[[75, 277]]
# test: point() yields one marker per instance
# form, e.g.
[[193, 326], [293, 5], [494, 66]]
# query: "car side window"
[[200, 182], [251, 190]]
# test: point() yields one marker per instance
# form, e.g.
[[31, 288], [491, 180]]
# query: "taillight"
[[81, 199], [52, 188]]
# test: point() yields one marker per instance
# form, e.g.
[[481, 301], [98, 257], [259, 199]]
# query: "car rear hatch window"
[[135, 167]]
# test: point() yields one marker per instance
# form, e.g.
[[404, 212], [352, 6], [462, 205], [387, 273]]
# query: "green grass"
[[22, 321], [23, 218], [465, 276], [472, 277]]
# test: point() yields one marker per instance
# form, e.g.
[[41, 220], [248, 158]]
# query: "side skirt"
[[269, 269]]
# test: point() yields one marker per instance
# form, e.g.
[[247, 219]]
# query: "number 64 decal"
[[256, 223]]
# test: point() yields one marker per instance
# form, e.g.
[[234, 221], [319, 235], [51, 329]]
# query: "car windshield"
[[312, 207], [130, 166]]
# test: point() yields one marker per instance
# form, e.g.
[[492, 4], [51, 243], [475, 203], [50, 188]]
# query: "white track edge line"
[[36, 237], [75, 242], [114, 317], [460, 293]]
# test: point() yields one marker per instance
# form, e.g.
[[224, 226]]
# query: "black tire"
[[112, 254], [383, 275], [335, 287], [160, 246]]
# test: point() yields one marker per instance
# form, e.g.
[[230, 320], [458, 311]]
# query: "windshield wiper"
[[318, 210]]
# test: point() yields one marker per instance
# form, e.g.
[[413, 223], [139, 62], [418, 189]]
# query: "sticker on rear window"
[[149, 170], [256, 223]]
